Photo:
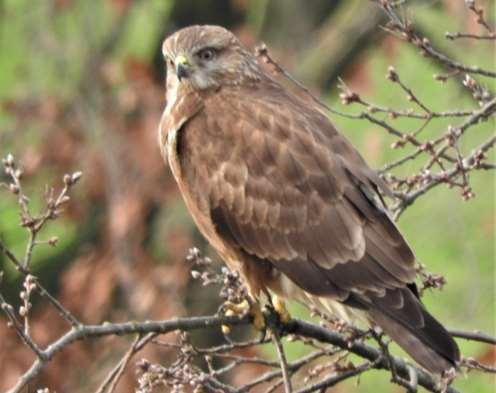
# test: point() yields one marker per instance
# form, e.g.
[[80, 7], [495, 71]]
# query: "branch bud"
[[76, 176], [392, 74], [8, 161], [349, 97], [70, 180], [14, 188]]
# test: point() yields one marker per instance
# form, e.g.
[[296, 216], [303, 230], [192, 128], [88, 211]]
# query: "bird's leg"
[[281, 310], [276, 308], [273, 315], [258, 317]]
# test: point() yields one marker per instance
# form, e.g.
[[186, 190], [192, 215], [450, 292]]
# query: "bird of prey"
[[283, 197]]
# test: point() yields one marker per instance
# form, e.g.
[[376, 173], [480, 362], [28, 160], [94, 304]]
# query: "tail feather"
[[416, 331]]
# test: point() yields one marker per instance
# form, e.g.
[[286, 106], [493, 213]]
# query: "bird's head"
[[207, 57]]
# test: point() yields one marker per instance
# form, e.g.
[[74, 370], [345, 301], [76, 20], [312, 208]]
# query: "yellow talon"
[[280, 308], [252, 308], [232, 309], [242, 309], [226, 329], [258, 317]]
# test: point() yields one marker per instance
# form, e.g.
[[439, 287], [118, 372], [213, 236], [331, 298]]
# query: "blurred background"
[[82, 88]]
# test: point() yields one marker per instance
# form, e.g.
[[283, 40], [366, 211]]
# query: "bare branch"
[[473, 336], [17, 325], [282, 360], [110, 382], [454, 36], [407, 32], [143, 328], [335, 379]]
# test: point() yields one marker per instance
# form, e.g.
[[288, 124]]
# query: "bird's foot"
[[243, 309], [281, 310], [276, 315], [258, 317]]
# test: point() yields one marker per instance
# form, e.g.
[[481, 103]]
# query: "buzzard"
[[283, 197]]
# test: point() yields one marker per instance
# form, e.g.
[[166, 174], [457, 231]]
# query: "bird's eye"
[[206, 54], [169, 62]]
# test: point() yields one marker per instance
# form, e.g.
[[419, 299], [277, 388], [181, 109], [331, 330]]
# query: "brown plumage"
[[283, 197]]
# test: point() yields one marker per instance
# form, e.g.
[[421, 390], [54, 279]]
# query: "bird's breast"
[[172, 156]]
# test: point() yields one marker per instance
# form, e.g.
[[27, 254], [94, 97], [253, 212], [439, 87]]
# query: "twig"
[[454, 36], [64, 312], [110, 382], [283, 362], [297, 327], [473, 336], [365, 351], [406, 32], [292, 367], [473, 364], [479, 14], [18, 327], [143, 328], [468, 162], [413, 380], [335, 379]]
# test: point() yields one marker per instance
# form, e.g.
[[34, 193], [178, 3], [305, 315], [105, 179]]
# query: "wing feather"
[[289, 189]]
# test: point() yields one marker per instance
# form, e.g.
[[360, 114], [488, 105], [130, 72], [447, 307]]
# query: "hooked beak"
[[183, 67]]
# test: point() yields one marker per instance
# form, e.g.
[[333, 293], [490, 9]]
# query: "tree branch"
[[106, 329], [296, 327]]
